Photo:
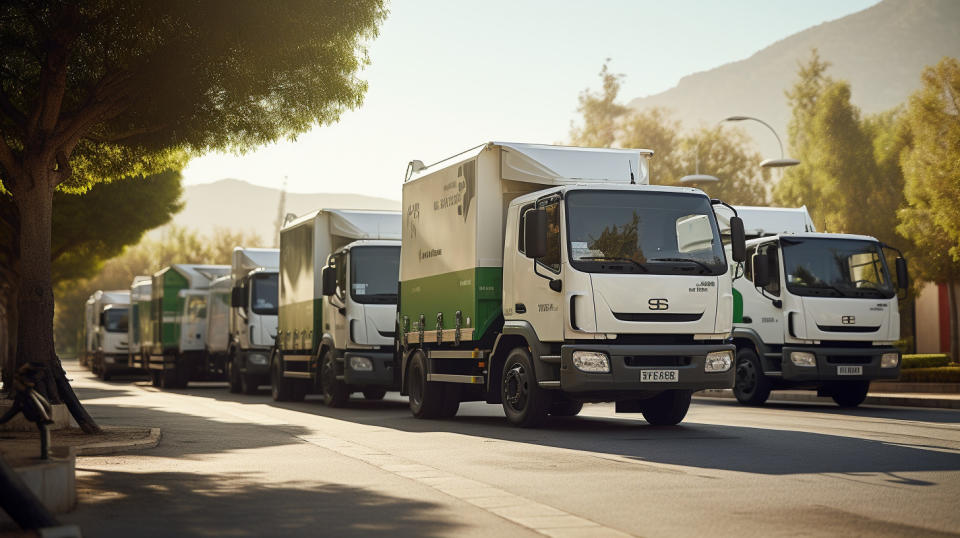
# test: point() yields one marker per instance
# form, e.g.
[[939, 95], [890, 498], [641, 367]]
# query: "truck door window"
[[773, 256], [523, 212], [748, 267], [340, 263], [552, 259], [196, 308]]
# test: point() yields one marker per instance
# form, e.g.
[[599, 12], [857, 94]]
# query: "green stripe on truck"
[[476, 292]]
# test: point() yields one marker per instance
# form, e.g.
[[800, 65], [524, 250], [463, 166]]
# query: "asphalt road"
[[233, 465]]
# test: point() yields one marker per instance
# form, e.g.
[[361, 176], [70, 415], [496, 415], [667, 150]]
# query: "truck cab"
[[816, 311], [111, 338], [253, 328]]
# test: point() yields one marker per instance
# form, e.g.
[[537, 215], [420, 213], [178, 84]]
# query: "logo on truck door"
[[657, 304], [848, 320]]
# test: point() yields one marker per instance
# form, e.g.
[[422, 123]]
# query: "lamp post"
[[697, 177], [768, 163]]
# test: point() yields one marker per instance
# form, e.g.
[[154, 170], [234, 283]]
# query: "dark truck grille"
[[655, 360], [849, 359], [848, 328], [631, 316]]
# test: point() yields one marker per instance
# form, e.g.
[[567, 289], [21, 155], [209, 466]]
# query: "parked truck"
[[88, 337], [111, 317], [139, 334], [242, 317], [338, 304], [178, 354], [815, 310], [542, 277]]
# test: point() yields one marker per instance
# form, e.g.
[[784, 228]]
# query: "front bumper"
[[627, 362], [382, 374], [255, 367], [829, 358], [116, 362]]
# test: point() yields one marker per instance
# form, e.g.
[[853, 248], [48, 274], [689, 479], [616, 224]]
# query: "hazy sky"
[[447, 75]]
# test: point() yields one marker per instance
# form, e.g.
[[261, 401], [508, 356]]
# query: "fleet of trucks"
[[541, 277], [242, 317], [177, 355], [338, 286], [814, 310], [111, 315]]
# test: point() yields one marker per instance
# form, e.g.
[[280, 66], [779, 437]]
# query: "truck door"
[[542, 306]]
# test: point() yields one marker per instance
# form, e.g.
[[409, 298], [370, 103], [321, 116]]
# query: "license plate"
[[849, 370], [659, 376]]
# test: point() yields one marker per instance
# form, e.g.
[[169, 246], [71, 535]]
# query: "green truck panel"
[[477, 293]]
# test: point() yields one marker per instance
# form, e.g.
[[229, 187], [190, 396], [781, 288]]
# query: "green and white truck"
[[178, 354], [242, 317], [542, 277], [111, 310], [139, 334], [338, 304], [814, 310]]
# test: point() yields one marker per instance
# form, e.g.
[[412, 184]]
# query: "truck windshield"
[[835, 268], [264, 296], [116, 320], [374, 272], [643, 232]]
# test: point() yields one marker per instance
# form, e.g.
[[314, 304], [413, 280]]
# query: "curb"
[[899, 400], [101, 449]]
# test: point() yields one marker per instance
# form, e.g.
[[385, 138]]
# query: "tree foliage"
[[720, 151]]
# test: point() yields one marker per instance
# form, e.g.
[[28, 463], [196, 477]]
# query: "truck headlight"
[[257, 358], [595, 362], [718, 361], [803, 358], [361, 364], [109, 360], [889, 360]]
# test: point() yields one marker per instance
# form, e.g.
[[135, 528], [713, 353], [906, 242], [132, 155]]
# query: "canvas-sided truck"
[[542, 277], [338, 305], [242, 317], [814, 310], [112, 317], [179, 295], [138, 334]]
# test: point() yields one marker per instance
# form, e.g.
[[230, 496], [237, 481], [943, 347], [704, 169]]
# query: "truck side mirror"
[[761, 270], [329, 277], [738, 240], [535, 233], [238, 297], [903, 279]]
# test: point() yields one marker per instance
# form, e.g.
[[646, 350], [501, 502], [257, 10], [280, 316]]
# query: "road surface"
[[235, 465]]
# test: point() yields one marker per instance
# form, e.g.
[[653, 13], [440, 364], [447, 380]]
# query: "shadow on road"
[[191, 504], [911, 414]]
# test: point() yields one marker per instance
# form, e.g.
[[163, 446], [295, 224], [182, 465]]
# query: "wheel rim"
[[746, 381], [516, 390]]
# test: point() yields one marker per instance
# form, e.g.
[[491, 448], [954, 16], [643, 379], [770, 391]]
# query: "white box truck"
[[814, 311], [140, 326], [179, 295], [242, 317], [112, 316], [541, 277], [338, 305]]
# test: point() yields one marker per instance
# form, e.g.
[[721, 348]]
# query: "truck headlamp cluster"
[[718, 361], [361, 364], [889, 360], [109, 360], [803, 358], [594, 362], [258, 358]]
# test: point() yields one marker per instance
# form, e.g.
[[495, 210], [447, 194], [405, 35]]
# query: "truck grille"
[[848, 328], [632, 316], [849, 359], [655, 360]]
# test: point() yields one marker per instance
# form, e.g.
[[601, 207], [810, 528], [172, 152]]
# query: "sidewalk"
[[902, 399]]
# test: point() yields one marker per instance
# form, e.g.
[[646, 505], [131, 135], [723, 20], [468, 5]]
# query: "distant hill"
[[881, 51], [238, 205]]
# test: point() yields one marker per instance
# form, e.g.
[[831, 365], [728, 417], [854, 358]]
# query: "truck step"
[[549, 384], [451, 378], [552, 359]]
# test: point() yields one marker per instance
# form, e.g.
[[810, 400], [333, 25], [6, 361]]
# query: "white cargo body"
[[472, 301], [112, 317], [815, 310]]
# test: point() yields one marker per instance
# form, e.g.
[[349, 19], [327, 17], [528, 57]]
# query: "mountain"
[[238, 205], [881, 51]]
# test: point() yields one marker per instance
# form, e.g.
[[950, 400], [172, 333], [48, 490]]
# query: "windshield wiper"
[[687, 260], [615, 259]]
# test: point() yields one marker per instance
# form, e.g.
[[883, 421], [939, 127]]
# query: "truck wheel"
[[374, 394], [563, 407], [168, 379], [750, 386], [283, 389], [154, 379], [249, 384], [233, 375], [428, 399], [104, 373], [667, 408], [524, 402], [850, 393], [335, 391]]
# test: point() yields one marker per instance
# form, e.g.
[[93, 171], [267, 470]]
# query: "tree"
[[931, 167], [105, 89], [600, 112]]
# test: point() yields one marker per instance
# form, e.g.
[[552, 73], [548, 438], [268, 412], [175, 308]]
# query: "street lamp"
[[697, 177], [768, 163]]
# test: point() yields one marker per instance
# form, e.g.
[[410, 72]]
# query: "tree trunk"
[[33, 195], [954, 327]]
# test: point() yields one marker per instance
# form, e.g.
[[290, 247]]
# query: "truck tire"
[[524, 402], [233, 375], [104, 373], [154, 378], [168, 378], [249, 384], [750, 386], [429, 399], [335, 391], [374, 394], [563, 407], [667, 408], [283, 389], [850, 393]]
